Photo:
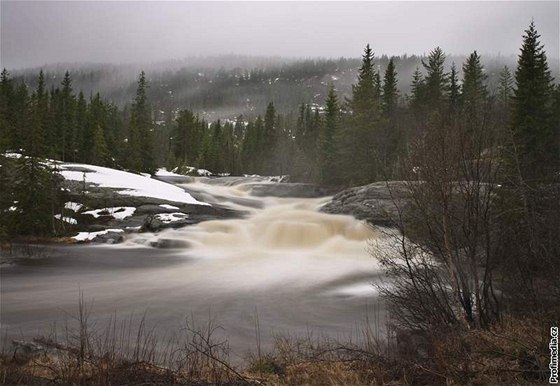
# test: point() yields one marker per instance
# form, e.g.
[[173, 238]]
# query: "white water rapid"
[[299, 269]]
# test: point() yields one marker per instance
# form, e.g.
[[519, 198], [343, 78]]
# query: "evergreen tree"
[[68, 122], [37, 137], [505, 88], [474, 92], [7, 134], [359, 143], [141, 157], [328, 161], [534, 134], [436, 79], [417, 93], [269, 139], [390, 92], [454, 90]]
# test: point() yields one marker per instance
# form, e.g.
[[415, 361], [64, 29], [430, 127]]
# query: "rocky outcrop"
[[298, 190], [376, 203]]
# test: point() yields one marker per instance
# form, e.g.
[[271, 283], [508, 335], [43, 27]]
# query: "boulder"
[[299, 190], [376, 203]]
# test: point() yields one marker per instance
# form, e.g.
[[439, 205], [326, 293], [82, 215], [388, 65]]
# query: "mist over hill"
[[223, 87]]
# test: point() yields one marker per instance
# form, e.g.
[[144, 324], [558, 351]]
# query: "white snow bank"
[[167, 206], [164, 173], [83, 236], [171, 217], [131, 184], [119, 212], [69, 220], [73, 206]]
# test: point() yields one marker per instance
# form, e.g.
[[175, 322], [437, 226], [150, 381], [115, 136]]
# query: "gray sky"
[[35, 33]]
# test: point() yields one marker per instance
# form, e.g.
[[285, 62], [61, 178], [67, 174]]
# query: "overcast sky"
[[35, 33]]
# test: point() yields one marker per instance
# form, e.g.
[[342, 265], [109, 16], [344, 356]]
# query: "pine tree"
[[7, 134], [390, 92], [141, 157], [359, 143], [454, 90], [505, 88], [474, 92], [534, 134], [37, 146], [328, 160], [436, 79], [68, 122], [270, 139], [81, 135], [417, 91]]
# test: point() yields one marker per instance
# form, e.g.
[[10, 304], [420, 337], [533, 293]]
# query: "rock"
[[374, 203], [170, 244], [109, 238], [299, 190], [23, 349]]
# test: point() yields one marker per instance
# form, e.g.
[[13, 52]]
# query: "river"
[[298, 269]]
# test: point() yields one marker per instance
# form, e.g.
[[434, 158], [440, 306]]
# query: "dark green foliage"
[[329, 157], [390, 92], [31, 197], [454, 91], [535, 135], [474, 93], [359, 141], [140, 140], [437, 80]]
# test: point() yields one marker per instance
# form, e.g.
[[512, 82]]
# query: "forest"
[[482, 168]]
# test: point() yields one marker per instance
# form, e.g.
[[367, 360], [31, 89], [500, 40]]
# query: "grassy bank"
[[128, 352]]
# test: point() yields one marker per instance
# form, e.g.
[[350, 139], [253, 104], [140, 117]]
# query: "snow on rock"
[[130, 183], [12, 155], [164, 173], [74, 206], [167, 218], [119, 212], [69, 220], [167, 206], [88, 236]]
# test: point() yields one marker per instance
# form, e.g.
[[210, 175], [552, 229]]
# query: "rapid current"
[[295, 268]]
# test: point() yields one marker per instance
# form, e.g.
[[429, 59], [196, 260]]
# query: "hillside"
[[227, 86]]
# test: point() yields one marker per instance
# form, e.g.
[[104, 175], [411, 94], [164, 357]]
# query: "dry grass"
[[514, 352]]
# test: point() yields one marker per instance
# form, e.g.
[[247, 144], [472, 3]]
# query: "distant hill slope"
[[224, 87]]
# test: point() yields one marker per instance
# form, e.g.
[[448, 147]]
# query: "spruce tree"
[[359, 142], [454, 90], [141, 157], [390, 91], [328, 159], [436, 78], [535, 135], [68, 101], [474, 92]]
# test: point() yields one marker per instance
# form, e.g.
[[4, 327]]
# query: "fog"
[[43, 32]]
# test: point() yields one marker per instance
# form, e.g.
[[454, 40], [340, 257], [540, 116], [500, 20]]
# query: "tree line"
[[348, 141]]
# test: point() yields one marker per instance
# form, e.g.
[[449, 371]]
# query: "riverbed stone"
[[376, 203]]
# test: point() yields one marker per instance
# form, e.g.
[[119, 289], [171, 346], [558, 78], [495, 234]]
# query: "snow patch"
[[167, 218], [119, 212], [130, 183], [69, 220], [167, 206], [83, 236], [74, 206], [164, 173]]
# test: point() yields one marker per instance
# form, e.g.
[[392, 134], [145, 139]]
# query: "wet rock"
[[375, 203], [299, 190], [109, 238], [170, 244]]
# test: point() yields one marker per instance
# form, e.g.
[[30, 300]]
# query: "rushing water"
[[295, 267]]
